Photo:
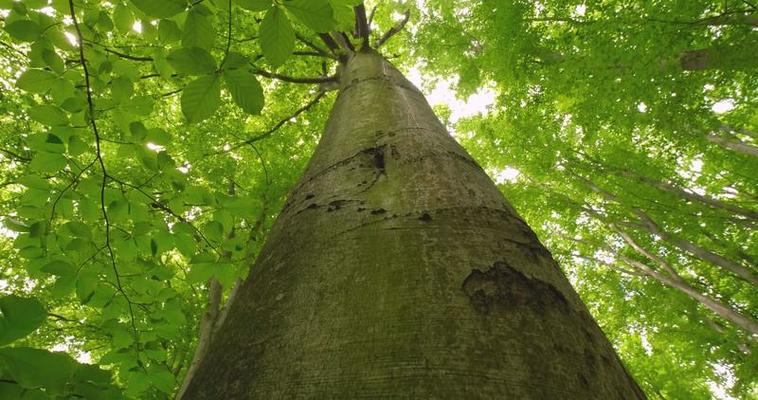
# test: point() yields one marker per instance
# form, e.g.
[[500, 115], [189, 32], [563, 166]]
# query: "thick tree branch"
[[361, 25], [313, 46], [329, 42]]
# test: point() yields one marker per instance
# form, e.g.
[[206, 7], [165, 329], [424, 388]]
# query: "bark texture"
[[398, 270]]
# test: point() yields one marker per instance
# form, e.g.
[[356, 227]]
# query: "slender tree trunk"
[[739, 56], [705, 199], [397, 270], [733, 144], [675, 281], [697, 251]]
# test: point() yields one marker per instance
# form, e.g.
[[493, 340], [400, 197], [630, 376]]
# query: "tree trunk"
[[398, 270], [740, 56]]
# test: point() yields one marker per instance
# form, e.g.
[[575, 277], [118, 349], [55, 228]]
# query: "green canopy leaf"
[[37, 368], [277, 36], [49, 115], [24, 30], [245, 89], [36, 80], [254, 5], [198, 30], [192, 61], [315, 14], [19, 317], [201, 98], [160, 8]]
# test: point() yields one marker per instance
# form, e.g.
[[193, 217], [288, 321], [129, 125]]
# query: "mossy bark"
[[398, 270]]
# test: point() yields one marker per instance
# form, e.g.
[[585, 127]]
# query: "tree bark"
[[697, 251], [397, 270], [733, 144], [740, 56]]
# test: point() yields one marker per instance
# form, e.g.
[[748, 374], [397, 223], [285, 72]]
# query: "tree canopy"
[[147, 146]]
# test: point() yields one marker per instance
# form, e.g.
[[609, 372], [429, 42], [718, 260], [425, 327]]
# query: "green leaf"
[[53, 60], [36, 80], [48, 162], [158, 136], [234, 60], [198, 30], [168, 31], [192, 61], [86, 284], [245, 89], [37, 368], [59, 268], [34, 182], [79, 229], [201, 98], [123, 18], [163, 380], [160, 8], [48, 115], [19, 317], [254, 5], [315, 14], [277, 37], [24, 30], [122, 88]]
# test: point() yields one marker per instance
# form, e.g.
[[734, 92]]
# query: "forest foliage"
[[147, 147]]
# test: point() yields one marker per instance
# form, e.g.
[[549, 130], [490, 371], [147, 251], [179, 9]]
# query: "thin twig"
[[294, 79], [99, 156], [278, 125]]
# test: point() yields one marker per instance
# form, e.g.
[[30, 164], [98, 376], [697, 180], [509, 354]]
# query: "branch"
[[329, 42], [156, 203], [279, 124], [394, 30], [15, 155], [371, 17], [99, 156], [344, 41], [293, 79], [313, 46], [361, 24], [310, 53], [118, 53]]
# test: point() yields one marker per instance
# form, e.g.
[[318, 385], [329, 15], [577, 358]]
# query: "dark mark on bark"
[[309, 196], [361, 209], [503, 288], [335, 205], [377, 154], [312, 206], [378, 211], [425, 217]]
